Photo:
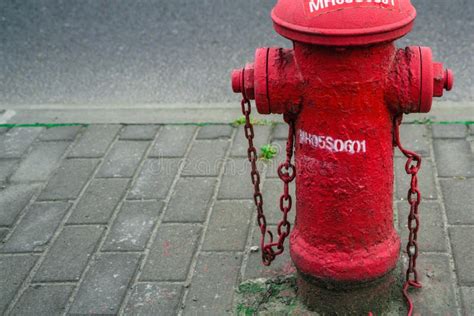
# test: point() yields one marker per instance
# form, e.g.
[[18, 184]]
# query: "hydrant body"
[[345, 82], [344, 229]]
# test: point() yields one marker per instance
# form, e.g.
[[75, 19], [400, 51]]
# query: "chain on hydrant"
[[286, 172], [412, 167]]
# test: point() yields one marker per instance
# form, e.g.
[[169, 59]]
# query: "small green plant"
[[255, 297], [268, 152], [241, 121]]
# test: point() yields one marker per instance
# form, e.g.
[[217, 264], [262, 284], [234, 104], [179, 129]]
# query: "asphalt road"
[[142, 51]]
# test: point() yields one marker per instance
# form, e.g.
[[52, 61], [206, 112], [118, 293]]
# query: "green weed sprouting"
[[268, 152]]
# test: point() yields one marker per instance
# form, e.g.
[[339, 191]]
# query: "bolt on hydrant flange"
[[345, 82]]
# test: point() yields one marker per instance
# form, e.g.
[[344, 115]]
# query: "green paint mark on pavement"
[[430, 122], [236, 123], [47, 125]]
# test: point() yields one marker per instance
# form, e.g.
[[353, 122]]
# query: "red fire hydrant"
[[343, 88]]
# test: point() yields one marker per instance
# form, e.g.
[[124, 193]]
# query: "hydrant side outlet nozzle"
[[237, 80], [415, 79], [243, 81], [273, 81]]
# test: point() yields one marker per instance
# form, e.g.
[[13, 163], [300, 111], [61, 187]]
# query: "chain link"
[[412, 167], [286, 172]]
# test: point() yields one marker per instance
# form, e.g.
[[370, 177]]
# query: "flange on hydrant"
[[343, 89]]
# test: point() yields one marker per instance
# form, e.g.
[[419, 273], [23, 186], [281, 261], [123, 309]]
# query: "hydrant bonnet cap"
[[343, 22]]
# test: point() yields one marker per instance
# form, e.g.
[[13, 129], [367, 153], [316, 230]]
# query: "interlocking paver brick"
[[272, 190], [123, 159], [449, 131], [60, 133], [69, 179], [467, 294], [459, 200], [208, 294], [133, 226], [205, 158], [199, 191], [426, 179], [154, 299], [36, 228], [215, 131], [228, 226], [453, 158], [40, 162], [280, 131], [13, 200], [15, 142], [438, 295], [105, 284], [155, 178], [13, 271], [255, 269], [240, 146], [172, 141], [414, 137], [462, 241], [95, 141], [139, 132], [99, 201], [43, 300], [235, 182], [171, 253], [173, 250], [6, 169], [69, 255], [432, 236]]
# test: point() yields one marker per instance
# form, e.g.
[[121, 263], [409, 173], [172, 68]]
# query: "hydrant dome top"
[[343, 22]]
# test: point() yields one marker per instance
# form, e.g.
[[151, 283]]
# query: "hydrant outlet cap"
[[237, 78], [449, 80], [343, 22]]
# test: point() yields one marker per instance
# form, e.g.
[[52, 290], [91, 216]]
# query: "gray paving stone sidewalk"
[[158, 220]]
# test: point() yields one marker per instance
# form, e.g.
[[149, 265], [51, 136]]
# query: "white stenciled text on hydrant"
[[317, 5], [332, 144]]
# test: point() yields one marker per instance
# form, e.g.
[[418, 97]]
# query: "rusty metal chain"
[[412, 167], [286, 172]]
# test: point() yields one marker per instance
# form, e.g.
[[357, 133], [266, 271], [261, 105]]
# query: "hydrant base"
[[360, 265], [329, 298]]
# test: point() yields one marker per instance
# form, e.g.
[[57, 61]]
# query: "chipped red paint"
[[347, 81]]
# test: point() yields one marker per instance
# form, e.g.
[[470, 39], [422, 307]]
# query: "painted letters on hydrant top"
[[324, 6]]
